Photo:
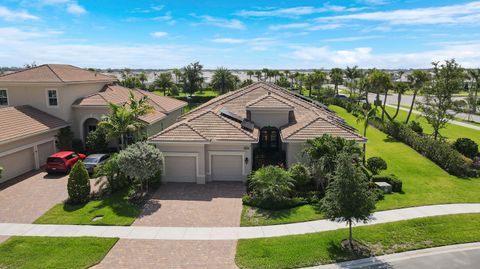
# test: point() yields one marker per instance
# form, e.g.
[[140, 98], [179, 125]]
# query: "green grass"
[[254, 216], [322, 248], [451, 132], [53, 252], [115, 209], [190, 107], [424, 183], [414, 117], [182, 94]]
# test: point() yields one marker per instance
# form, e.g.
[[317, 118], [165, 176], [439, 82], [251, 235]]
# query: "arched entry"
[[89, 125], [269, 149]]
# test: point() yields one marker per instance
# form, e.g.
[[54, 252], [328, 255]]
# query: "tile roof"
[[24, 121], [311, 118], [182, 132], [120, 95], [56, 73]]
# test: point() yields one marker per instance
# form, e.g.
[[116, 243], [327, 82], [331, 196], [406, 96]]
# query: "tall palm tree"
[[124, 119], [319, 79], [258, 75], [192, 78], [265, 72], [400, 88], [366, 116], [352, 73], [163, 82], [380, 81], [336, 77], [143, 78], [417, 80], [250, 73], [178, 75], [223, 80], [472, 99]]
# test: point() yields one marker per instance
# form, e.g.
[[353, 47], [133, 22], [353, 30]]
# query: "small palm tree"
[[417, 80], [366, 116], [336, 77], [250, 73], [163, 82], [223, 80]]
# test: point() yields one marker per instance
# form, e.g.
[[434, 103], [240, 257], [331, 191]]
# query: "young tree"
[[142, 77], [178, 75], [96, 141], [319, 77], [250, 73], [142, 162], [400, 88], [163, 82], [258, 75], [336, 77], [416, 81], [348, 197], [472, 99], [64, 139], [380, 82], [223, 80], [192, 78], [448, 80], [78, 185], [366, 116]]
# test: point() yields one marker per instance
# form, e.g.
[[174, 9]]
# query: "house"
[[35, 103], [227, 137]]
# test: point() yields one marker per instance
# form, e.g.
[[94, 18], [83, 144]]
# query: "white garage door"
[[227, 168], [45, 150], [180, 169], [17, 163]]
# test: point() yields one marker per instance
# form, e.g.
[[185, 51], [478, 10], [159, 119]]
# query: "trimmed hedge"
[[390, 179], [437, 151]]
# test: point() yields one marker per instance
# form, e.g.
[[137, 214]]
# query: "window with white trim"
[[3, 97], [52, 98]]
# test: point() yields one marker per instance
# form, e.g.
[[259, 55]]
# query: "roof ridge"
[[269, 95], [55, 73], [22, 70], [240, 129], [303, 127]]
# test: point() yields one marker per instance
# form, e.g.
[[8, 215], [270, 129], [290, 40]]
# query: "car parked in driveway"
[[95, 160], [63, 161]]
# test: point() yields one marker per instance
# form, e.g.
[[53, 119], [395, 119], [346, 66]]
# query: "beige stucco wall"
[[158, 126], [294, 152], [263, 118], [27, 141], [36, 96], [83, 113]]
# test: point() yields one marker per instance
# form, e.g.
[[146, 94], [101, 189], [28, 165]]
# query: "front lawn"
[[252, 216], [54, 252], [110, 210], [322, 248], [182, 94]]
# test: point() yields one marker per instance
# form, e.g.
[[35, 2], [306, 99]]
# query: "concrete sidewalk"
[[226, 233], [430, 256]]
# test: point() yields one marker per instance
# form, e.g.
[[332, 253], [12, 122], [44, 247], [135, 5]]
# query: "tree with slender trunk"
[[265, 72], [366, 116], [380, 81], [352, 73], [163, 82], [319, 79], [178, 75], [400, 88], [472, 99], [336, 78], [349, 197], [447, 80], [223, 80], [192, 78], [250, 73], [143, 78], [258, 75], [416, 80]]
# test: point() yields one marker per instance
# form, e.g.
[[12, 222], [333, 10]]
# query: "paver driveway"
[[209, 205]]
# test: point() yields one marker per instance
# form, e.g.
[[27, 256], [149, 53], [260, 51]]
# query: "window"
[[91, 128], [3, 97], [52, 98]]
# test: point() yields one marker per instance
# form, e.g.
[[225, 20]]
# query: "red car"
[[63, 161]]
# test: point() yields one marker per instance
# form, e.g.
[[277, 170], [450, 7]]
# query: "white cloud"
[[374, 2], [75, 9], [257, 44], [220, 22], [11, 15], [158, 34], [306, 26], [229, 40], [288, 26], [165, 18], [349, 38], [294, 11], [468, 13], [15, 34]]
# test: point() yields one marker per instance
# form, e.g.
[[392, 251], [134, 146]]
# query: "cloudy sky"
[[239, 34]]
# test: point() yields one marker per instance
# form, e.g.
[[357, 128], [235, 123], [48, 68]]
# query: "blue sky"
[[239, 34]]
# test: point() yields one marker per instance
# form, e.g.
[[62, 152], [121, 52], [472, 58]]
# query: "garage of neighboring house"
[[180, 167], [226, 166], [27, 138]]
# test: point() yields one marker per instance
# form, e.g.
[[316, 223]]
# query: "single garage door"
[[227, 168], [17, 163], [45, 150], [180, 169]]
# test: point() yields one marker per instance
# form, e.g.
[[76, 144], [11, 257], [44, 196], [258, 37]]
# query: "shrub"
[[77, 145], [467, 147], [390, 179], [376, 164], [96, 141], [301, 177], [270, 205], [64, 139], [271, 184], [111, 171], [78, 185], [416, 127]]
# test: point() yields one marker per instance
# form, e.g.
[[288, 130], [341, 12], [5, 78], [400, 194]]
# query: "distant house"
[[227, 137], [35, 103]]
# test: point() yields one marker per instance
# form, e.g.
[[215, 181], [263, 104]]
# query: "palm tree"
[[380, 82], [250, 73], [336, 77], [192, 78], [265, 72], [223, 80], [310, 81], [143, 78], [124, 119], [400, 88], [178, 75], [352, 73], [319, 79], [163, 82], [366, 116], [417, 80], [258, 75], [472, 99]]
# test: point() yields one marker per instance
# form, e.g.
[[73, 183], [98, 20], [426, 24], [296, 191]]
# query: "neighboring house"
[[36, 102], [227, 137]]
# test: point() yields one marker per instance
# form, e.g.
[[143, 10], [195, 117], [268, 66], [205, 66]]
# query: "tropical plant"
[[78, 184], [349, 197], [141, 162], [400, 88], [223, 80], [301, 177], [142, 77], [111, 171], [417, 80], [258, 75], [64, 139], [250, 73], [96, 141], [467, 147], [178, 75], [366, 116], [124, 119], [472, 99], [380, 82], [376, 164], [271, 184], [448, 80], [192, 78], [319, 79], [336, 77], [163, 82]]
